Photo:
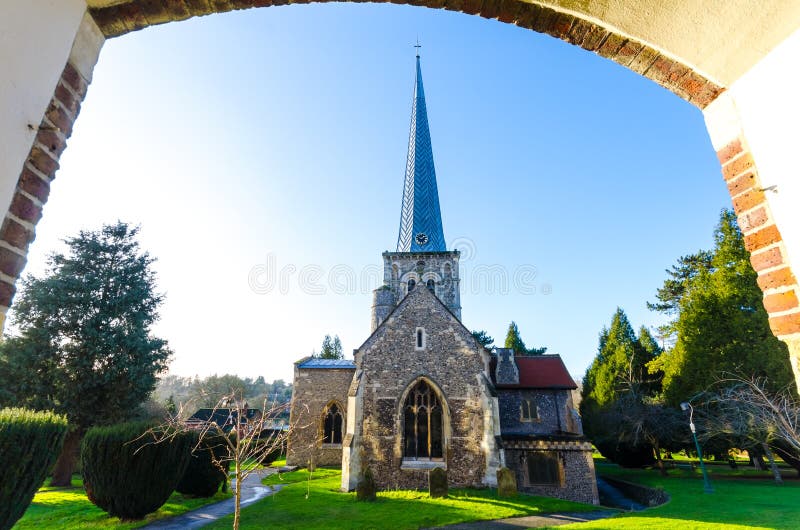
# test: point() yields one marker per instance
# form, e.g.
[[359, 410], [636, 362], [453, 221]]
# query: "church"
[[421, 392]]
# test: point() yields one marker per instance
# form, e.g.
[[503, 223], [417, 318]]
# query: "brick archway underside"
[[628, 52], [762, 236]]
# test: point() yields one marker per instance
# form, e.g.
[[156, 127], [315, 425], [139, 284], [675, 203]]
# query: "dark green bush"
[[627, 455], [204, 475], [29, 444], [128, 472]]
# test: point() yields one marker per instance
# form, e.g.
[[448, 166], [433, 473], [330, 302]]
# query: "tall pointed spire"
[[420, 217]]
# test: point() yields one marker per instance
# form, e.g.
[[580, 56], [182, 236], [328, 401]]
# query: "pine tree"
[[84, 345], [620, 409], [483, 338], [331, 348], [722, 327], [618, 363], [514, 341]]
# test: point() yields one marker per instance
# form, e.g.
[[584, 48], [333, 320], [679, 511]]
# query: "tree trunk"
[[65, 465], [772, 465], [660, 462], [237, 495], [756, 459], [788, 454]]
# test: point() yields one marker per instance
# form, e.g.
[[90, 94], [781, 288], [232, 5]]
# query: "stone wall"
[[441, 267], [453, 364], [312, 391], [577, 467], [554, 412]]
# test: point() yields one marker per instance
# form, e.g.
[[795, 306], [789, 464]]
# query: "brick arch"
[[750, 200], [585, 33]]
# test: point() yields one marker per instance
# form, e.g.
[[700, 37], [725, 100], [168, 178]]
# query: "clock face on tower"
[[421, 238]]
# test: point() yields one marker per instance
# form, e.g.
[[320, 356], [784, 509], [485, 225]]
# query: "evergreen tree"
[[722, 327], [331, 348], [483, 338], [620, 409], [618, 363], [515, 342], [84, 345]]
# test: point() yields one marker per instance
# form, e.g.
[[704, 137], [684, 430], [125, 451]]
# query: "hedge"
[[128, 472], [29, 445], [208, 467]]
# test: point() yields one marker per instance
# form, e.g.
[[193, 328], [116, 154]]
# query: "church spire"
[[420, 217]]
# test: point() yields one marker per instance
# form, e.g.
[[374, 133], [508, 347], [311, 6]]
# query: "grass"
[[743, 498], [318, 503], [69, 509]]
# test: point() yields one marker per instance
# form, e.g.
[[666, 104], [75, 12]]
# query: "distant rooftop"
[[327, 363]]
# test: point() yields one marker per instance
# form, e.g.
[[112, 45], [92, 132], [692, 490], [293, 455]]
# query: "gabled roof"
[[539, 371], [313, 362], [402, 303]]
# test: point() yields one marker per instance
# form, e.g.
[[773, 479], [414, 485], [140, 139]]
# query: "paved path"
[[533, 521], [252, 490]]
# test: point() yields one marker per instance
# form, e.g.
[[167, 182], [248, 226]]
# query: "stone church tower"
[[422, 257], [419, 397], [421, 393]]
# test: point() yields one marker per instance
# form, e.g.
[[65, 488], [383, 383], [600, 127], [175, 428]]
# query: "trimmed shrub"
[[627, 455], [203, 475], [127, 473], [29, 444]]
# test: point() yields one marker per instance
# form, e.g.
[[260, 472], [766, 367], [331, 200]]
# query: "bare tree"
[[745, 409], [247, 436]]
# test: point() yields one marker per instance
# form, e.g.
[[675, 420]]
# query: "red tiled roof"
[[539, 371]]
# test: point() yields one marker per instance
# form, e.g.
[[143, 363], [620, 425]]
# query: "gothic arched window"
[[411, 284], [431, 286], [332, 425], [423, 431]]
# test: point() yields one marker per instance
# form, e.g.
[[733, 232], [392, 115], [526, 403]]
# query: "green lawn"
[[743, 498], [326, 507], [68, 509]]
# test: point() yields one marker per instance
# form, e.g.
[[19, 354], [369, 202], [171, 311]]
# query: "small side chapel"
[[421, 392]]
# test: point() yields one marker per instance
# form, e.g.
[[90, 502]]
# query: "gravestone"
[[437, 482], [506, 483]]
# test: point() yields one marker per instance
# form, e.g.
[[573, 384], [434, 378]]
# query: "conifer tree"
[[722, 327], [84, 345], [514, 341], [483, 338], [331, 348]]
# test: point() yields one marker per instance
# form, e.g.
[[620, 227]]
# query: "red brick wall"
[[33, 186], [762, 238]]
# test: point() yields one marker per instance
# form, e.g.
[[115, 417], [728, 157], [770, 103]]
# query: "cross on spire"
[[418, 46]]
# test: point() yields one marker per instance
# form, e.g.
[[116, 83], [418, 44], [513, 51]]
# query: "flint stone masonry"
[[553, 407], [441, 267], [313, 390], [453, 363], [577, 468]]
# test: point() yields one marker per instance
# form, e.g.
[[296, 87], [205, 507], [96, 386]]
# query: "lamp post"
[[706, 482]]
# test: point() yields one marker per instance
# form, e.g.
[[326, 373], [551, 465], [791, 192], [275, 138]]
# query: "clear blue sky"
[[283, 132]]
